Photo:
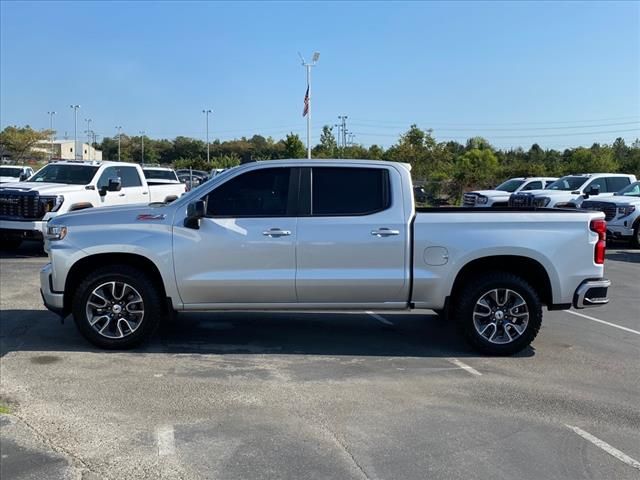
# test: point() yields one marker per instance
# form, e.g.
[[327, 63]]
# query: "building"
[[64, 150]]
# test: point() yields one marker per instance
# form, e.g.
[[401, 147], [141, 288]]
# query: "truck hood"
[[118, 215], [549, 193], [492, 193], [621, 200], [9, 179], [42, 188]]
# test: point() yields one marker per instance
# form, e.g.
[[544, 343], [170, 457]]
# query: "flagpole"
[[309, 112]]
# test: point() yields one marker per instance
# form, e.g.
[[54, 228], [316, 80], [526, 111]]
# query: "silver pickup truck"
[[329, 235]]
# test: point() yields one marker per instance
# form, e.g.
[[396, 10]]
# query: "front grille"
[[609, 209], [20, 206], [469, 200], [521, 200]]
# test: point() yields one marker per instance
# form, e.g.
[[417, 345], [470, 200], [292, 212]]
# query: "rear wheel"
[[498, 313], [117, 307]]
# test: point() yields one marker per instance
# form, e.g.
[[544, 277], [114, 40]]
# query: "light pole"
[[75, 130], [142, 139], [51, 114], [119, 128], [206, 114], [307, 98], [88, 120]]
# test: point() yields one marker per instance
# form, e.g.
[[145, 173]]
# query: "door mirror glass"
[[593, 190], [195, 211]]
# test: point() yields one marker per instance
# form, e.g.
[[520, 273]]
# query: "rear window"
[[349, 191], [152, 174]]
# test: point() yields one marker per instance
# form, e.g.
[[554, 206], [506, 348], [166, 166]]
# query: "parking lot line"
[[606, 447], [166, 442], [380, 318], [630, 330], [464, 366]]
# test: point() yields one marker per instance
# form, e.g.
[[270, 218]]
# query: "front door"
[[244, 251]]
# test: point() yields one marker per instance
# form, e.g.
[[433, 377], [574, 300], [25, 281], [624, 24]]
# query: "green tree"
[[293, 146], [19, 141]]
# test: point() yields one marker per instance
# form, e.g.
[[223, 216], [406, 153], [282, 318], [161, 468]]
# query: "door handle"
[[122, 194], [384, 232], [276, 232]]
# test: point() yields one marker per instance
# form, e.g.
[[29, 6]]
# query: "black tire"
[[152, 304], [636, 236], [474, 290], [10, 242]]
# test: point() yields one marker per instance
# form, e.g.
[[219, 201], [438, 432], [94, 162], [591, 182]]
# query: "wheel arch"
[[529, 269], [86, 265]]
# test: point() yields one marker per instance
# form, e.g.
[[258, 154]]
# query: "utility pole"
[[142, 139], [337, 137], [343, 128], [206, 113], [51, 114], [119, 128], [88, 120], [307, 99], [75, 130]]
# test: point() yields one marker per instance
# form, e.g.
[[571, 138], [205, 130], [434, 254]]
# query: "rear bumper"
[[592, 293], [53, 300]]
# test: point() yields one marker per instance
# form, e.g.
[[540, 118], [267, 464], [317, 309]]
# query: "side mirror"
[[24, 176], [195, 211], [115, 185], [592, 190]]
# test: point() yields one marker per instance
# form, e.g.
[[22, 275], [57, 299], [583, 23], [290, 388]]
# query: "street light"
[[206, 114], [75, 130], [307, 106], [51, 114], [119, 128], [142, 139]]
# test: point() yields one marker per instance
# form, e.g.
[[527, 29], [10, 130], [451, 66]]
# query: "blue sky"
[[514, 72]]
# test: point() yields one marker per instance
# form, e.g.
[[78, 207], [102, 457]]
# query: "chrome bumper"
[[592, 293], [54, 301]]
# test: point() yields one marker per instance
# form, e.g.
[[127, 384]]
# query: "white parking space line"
[[606, 447], [380, 318], [464, 366], [630, 330], [166, 442]]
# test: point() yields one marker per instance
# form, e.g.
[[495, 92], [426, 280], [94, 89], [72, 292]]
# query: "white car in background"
[[499, 196], [164, 185], [571, 190], [14, 173]]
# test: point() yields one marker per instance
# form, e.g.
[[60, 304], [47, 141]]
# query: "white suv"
[[499, 196], [570, 191], [622, 213]]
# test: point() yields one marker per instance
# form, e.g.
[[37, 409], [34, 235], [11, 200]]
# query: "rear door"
[[352, 240], [244, 251]]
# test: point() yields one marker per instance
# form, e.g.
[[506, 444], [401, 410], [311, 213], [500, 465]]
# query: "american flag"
[[305, 110]]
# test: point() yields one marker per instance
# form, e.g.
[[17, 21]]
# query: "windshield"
[[632, 190], [69, 174], [10, 172], [568, 183], [152, 174], [509, 185]]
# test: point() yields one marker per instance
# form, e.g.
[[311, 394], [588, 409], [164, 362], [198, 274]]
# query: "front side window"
[[259, 193], [344, 191], [128, 176]]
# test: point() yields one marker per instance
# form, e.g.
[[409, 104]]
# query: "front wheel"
[[117, 307], [636, 236], [498, 313]]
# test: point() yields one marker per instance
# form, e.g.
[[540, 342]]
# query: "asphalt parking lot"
[[318, 396]]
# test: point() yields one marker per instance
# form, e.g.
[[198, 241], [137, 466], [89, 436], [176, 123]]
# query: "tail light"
[[600, 227]]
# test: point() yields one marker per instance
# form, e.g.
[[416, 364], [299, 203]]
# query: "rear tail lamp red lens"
[[600, 227]]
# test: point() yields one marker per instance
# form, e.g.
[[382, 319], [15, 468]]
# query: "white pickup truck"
[[67, 186], [14, 173], [499, 196], [329, 235]]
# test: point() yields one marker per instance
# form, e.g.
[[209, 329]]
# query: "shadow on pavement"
[[28, 249], [308, 333], [630, 256]]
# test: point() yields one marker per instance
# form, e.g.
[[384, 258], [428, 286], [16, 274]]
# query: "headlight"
[[480, 199], [51, 204], [628, 210], [56, 232], [541, 201]]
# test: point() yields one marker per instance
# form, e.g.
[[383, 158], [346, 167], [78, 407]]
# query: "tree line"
[[446, 168]]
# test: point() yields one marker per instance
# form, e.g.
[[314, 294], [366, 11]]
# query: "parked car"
[[14, 173], [329, 234], [622, 213], [499, 196], [420, 194], [67, 186], [571, 190], [163, 183]]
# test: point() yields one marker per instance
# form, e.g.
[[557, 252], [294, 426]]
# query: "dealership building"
[[64, 150]]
